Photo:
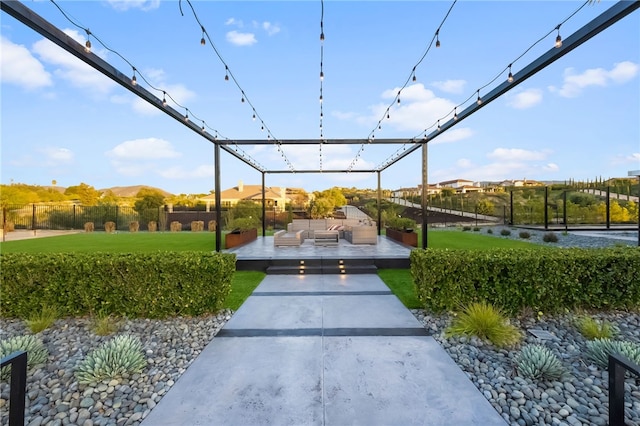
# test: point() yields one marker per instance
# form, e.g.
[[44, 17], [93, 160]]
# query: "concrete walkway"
[[323, 350]]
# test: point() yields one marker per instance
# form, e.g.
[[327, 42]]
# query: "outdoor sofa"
[[356, 231]]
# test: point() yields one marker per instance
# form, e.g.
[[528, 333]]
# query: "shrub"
[[476, 229], [152, 226], [175, 226], [524, 234], [593, 329], [43, 320], [148, 285], [489, 231], [466, 228], [550, 237], [109, 227], [486, 322], [197, 225], [37, 353], [212, 226], [401, 223], [134, 226], [598, 351], [120, 355], [89, 227], [550, 281], [538, 362], [243, 223], [505, 232]]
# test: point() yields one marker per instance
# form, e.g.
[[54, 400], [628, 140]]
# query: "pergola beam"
[[317, 141], [318, 171]]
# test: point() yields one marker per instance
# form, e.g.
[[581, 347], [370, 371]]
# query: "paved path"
[[323, 350]]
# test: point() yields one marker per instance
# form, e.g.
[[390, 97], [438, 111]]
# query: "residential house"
[[275, 197], [461, 186], [521, 183]]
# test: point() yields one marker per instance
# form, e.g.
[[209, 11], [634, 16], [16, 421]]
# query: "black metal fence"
[[17, 391], [618, 367]]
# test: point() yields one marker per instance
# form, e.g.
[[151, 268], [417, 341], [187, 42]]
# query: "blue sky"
[[61, 120]]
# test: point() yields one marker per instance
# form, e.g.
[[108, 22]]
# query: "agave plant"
[[37, 353], [538, 362], [598, 350], [120, 355]]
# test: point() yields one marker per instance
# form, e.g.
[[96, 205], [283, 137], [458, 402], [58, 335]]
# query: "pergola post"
[[264, 209], [379, 205], [216, 160], [425, 189]]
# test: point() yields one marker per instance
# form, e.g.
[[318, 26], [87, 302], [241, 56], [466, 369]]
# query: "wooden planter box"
[[233, 240], [408, 238]]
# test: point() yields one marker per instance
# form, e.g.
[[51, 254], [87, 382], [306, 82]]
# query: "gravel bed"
[[582, 239], [54, 396], [581, 398]]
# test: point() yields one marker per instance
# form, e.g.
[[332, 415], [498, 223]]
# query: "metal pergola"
[[609, 17]]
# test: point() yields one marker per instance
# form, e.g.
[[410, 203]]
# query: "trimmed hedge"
[[136, 285], [544, 280]]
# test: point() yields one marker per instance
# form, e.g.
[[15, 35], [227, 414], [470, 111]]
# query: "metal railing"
[[618, 366], [17, 389]]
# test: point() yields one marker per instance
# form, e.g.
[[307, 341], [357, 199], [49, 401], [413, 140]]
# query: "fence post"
[[75, 224], [116, 217], [608, 204], [33, 219], [511, 208], [546, 207]]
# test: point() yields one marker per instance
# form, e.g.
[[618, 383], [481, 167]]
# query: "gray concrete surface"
[[323, 350]]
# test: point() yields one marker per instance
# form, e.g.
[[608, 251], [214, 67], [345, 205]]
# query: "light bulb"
[[262, 128], [186, 116], [87, 46], [202, 41], [322, 36], [437, 43], [558, 41], [203, 128], [479, 100], [164, 99], [398, 100], [414, 78], [388, 116], [242, 100], [455, 114], [254, 117], [438, 125], [320, 98], [226, 73], [134, 80], [510, 78], [321, 75]]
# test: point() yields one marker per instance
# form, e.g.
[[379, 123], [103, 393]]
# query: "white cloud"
[[57, 156], [525, 99], [71, 69], [18, 66], [419, 108], [241, 39], [453, 135], [516, 154], [450, 86], [551, 167], [149, 148], [574, 84], [234, 21], [270, 28], [124, 5], [464, 163], [634, 157]]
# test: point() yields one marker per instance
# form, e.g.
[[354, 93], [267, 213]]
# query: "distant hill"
[[132, 191]]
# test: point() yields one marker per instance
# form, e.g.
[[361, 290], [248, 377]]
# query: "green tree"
[[447, 192], [485, 207], [247, 209], [86, 194], [320, 207], [148, 199]]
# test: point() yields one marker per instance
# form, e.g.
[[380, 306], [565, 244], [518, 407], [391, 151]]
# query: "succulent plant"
[[120, 355], [598, 350], [592, 328], [538, 362], [37, 353]]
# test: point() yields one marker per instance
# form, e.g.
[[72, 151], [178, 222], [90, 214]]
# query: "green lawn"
[[401, 284], [243, 284], [472, 240]]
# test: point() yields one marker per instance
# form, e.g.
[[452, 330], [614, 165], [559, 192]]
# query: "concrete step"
[[321, 266]]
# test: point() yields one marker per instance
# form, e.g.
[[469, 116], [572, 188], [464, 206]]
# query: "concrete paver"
[[323, 350]]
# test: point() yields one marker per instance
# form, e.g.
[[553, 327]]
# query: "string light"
[[186, 115], [479, 100], [437, 37], [558, 38], [164, 98], [202, 40], [438, 125], [455, 114], [87, 44], [203, 129], [510, 78], [134, 80], [226, 73], [321, 73], [254, 117]]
